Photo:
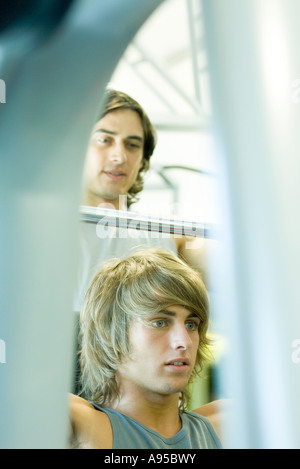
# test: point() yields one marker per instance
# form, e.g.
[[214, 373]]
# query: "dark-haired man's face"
[[114, 157]]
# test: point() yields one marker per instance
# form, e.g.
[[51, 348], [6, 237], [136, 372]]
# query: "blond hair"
[[136, 286]]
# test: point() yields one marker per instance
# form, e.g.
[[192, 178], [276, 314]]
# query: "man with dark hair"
[[121, 144], [118, 156]]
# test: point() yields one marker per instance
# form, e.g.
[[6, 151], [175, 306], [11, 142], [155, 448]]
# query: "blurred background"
[[220, 81], [165, 68]]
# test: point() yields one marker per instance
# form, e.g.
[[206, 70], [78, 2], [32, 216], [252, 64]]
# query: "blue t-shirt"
[[196, 433]]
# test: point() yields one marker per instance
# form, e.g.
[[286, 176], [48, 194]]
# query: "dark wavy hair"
[[115, 100]]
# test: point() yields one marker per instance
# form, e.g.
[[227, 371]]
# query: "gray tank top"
[[196, 433], [98, 244]]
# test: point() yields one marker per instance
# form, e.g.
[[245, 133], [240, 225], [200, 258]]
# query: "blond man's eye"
[[159, 323]]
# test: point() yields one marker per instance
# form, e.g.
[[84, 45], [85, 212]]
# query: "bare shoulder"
[[90, 428], [196, 253], [213, 408], [216, 412]]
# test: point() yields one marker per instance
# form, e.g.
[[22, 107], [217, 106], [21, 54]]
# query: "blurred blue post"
[[253, 50], [54, 88]]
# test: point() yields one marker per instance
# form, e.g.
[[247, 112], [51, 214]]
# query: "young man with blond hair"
[[143, 339]]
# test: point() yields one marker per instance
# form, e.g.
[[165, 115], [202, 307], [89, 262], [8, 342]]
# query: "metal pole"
[[254, 60], [53, 93], [169, 79], [194, 49], [137, 221]]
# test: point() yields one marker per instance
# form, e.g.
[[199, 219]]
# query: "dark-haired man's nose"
[[118, 154]]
